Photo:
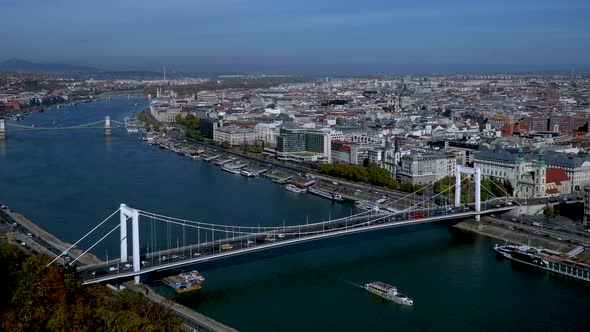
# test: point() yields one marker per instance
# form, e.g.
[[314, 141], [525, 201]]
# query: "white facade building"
[[235, 136]]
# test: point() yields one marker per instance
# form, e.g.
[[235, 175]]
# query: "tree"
[[406, 186], [549, 211], [378, 175], [256, 148], [40, 298]]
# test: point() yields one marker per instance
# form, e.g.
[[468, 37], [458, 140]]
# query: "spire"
[[520, 158], [540, 159]]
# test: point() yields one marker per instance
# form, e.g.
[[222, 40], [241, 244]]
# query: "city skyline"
[[307, 36]]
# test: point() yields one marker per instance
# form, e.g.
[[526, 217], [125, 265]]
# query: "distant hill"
[[28, 67], [23, 66]]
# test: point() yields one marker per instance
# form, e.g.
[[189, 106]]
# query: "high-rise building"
[[291, 140], [316, 142]]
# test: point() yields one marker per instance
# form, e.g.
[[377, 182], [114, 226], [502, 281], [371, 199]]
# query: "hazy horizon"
[[328, 69], [304, 36]]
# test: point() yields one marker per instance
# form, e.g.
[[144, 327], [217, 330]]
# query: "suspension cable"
[[97, 242], [83, 237]]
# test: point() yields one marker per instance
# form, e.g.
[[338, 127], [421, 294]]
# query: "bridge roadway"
[[56, 128], [257, 242]]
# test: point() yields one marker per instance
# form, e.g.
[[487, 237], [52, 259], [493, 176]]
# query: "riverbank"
[[17, 229], [277, 169], [17, 115], [22, 230], [193, 321], [523, 235]]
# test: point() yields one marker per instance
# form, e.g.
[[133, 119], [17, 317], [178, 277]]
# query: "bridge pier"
[[124, 213], [477, 173], [107, 126], [2, 130]]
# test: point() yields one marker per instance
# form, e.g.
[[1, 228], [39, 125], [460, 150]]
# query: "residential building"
[[235, 135], [425, 166]]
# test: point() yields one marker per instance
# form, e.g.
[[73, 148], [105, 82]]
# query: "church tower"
[[520, 165], [540, 175]]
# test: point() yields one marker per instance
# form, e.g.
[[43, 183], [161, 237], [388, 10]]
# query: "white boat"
[[248, 173], [231, 170], [367, 205], [326, 194], [388, 292], [295, 189]]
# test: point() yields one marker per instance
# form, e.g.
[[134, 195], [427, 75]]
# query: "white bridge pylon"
[[125, 213], [477, 174]]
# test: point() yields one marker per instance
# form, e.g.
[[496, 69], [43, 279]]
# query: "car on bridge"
[[416, 215], [442, 212]]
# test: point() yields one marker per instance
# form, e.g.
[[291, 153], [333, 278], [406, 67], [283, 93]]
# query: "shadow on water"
[[2, 148], [322, 259], [389, 250]]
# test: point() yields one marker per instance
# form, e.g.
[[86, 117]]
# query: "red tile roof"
[[15, 104], [556, 175], [242, 124]]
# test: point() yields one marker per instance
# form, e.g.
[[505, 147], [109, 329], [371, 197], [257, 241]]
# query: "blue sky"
[[142, 33]]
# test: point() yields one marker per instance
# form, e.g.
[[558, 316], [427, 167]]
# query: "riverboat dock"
[[223, 162], [278, 176], [207, 157], [253, 171]]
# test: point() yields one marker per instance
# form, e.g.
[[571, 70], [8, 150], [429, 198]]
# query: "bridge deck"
[[240, 245]]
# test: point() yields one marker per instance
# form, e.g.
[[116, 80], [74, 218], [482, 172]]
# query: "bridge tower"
[[107, 126], [477, 173], [2, 130], [126, 212]]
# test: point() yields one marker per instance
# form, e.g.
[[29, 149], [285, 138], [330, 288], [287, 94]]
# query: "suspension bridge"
[[107, 124], [198, 242]]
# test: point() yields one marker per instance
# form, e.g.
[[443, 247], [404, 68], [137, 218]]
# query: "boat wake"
[[351, 283]]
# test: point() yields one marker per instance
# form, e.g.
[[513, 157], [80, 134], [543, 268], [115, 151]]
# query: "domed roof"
[[405, 92]]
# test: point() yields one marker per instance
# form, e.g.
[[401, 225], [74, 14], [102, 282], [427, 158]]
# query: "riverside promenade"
[[193, 321]]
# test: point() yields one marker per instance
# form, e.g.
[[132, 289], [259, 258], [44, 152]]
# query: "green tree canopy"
[[40, 298]]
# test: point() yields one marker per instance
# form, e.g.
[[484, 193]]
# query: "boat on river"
[[326, 194], [185, 281], [295, 189], [546, 259], [388, 292]]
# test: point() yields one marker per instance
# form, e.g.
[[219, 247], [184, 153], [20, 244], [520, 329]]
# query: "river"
[[69, 181]]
